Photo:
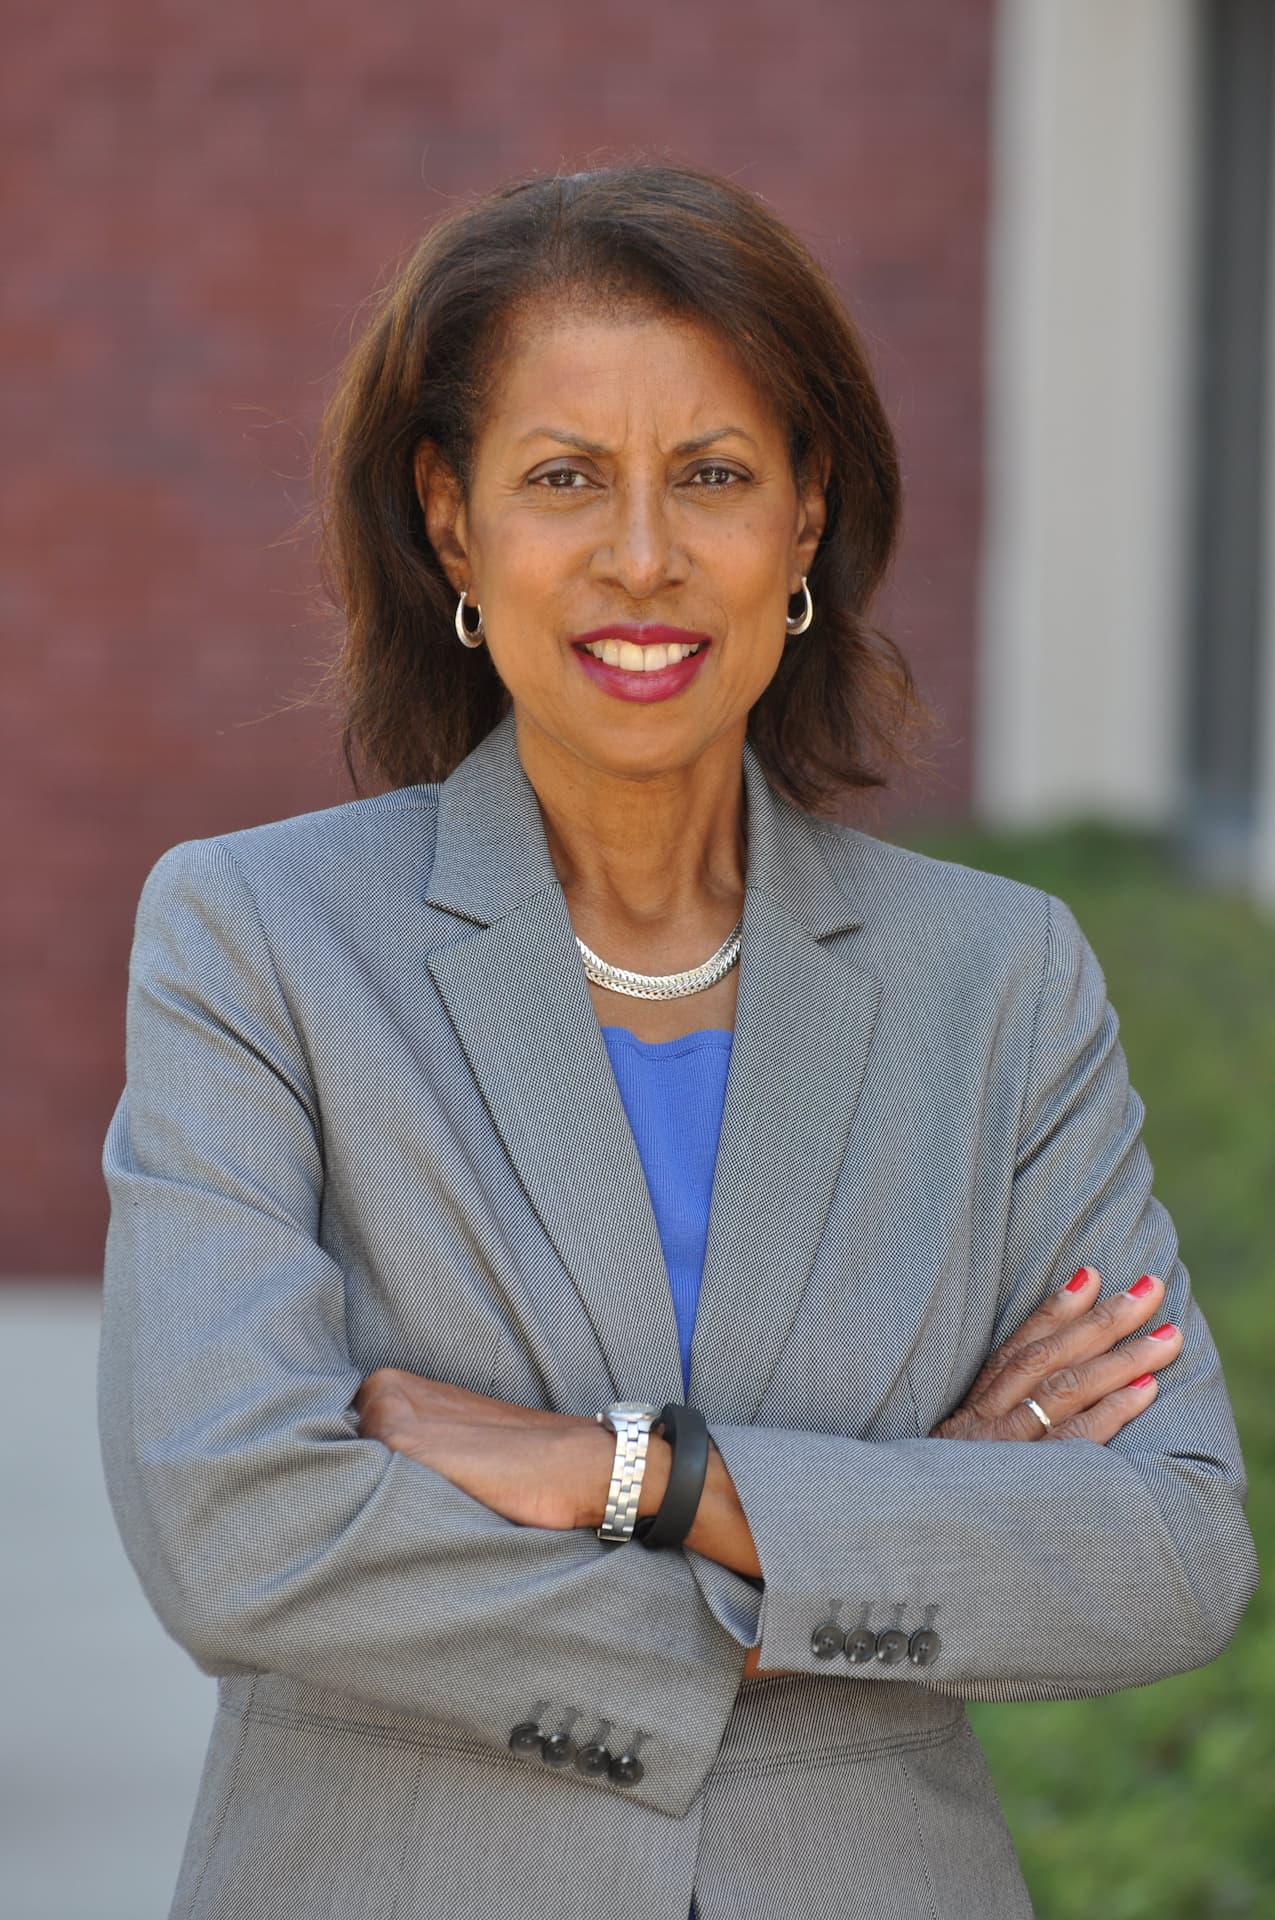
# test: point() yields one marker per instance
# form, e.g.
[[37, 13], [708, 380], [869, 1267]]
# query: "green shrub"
[[1160, 1801]]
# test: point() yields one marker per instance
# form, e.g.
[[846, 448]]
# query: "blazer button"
[[827, 1640], [593, 1760], [626, 1769], [526, 1736], [892, 1646], [924, 1647], [558, 1749], [861, 1646]]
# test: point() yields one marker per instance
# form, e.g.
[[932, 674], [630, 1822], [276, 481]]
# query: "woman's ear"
[[443, 506], [812, 511]]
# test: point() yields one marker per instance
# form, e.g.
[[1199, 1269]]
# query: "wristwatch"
[[631, 1422]]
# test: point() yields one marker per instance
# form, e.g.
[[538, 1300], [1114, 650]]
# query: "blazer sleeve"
[[267, 1535], [1048, 1569]]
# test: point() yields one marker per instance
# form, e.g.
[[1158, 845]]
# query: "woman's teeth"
[[624, 653]]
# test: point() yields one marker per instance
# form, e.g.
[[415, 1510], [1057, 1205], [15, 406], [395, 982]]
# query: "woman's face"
[[628, 475]]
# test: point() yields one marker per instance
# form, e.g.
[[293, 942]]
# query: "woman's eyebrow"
[[592, 446]]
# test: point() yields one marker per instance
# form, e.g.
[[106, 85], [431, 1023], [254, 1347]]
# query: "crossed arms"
[[269, 1534]]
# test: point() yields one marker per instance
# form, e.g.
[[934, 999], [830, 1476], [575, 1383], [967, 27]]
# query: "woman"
[[597, 1246]]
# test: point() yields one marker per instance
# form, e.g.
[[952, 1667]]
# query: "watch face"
[[629, 1410]]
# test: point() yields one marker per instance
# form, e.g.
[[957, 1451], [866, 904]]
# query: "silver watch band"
[[631, 1422]]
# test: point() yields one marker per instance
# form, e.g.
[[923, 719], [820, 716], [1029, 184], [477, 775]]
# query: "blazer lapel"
[[804, 1021], [516, 992]]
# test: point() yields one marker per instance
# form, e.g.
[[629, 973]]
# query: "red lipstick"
[[626, 683]]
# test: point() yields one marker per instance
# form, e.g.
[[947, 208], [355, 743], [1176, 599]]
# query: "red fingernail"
[[1166, 1332], [1077, 1281], [1146, 1380], [1143, 1287]]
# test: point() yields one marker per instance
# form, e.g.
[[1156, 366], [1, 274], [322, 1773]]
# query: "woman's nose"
[[642, 553]]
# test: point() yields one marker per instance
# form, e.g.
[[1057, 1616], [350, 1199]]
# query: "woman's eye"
[[559, 479], [716, 476]]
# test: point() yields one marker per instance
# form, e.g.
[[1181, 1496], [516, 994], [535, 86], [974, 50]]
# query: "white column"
[[1085, 569], [1264, 838]]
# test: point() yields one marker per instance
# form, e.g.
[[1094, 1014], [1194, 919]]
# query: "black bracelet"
[[687, 1433]]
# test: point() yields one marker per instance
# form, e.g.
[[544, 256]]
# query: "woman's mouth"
[[649, 663]]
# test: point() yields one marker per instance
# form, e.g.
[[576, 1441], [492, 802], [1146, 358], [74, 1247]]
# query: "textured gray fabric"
[[370, 1120]]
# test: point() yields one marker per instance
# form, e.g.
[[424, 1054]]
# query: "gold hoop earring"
[[468, 636], [806, 615]]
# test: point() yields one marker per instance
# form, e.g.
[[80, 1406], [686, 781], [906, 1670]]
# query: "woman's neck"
[[643, 850]]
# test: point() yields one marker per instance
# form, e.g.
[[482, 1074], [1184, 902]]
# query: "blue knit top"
[[673, 1092]]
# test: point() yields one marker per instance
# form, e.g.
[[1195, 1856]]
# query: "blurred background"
[[1054, 220]]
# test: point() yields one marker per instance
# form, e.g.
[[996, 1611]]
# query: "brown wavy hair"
[[842, 707]]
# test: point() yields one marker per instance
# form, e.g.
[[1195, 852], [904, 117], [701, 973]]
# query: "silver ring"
[[1039, 1412], [807, 613], [468, 636]]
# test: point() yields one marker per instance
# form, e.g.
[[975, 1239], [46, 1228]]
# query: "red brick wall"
[[199, 197]]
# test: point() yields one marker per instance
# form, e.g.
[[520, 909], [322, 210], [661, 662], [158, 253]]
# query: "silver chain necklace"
[[664, 986]]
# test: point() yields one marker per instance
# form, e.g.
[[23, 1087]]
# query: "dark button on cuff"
[[924, 1647], [558, 1749], [861, 1646], [593, 1760], [827, 1640], [892, 1646], [626, 1769], [526, 1736]]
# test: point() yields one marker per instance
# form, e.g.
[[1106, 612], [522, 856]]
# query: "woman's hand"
[[537, 1468], [1066, 1358]]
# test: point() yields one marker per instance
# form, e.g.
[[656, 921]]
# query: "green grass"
[[1161, 1801]]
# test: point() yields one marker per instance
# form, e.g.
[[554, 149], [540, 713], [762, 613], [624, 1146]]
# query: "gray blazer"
[[370, 1120]]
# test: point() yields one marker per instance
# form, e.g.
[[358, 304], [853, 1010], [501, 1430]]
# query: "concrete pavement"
[[104, 1719]]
